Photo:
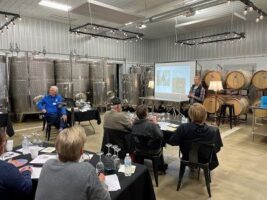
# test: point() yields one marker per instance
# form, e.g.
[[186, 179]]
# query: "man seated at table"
[[116, 126], [51, 106], [148, 127], [67, 178], [14, 183], [198, 131]]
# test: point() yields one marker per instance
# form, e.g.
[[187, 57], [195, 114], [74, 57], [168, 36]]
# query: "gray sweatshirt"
[[69, 181]]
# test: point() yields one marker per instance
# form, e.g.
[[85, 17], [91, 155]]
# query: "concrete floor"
[[241, 175]]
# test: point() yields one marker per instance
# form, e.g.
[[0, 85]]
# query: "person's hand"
[[101, 177], [64, 117], [44, 111], [191, 95], [26, 168], [153, 119]]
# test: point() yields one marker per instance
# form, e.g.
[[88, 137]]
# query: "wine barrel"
[[258, 112], [239, 79], [209, 103], [240, 104], [214, 75], [259, 80]]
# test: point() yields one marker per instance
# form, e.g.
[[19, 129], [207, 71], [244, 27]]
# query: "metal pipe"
[[172, 13]]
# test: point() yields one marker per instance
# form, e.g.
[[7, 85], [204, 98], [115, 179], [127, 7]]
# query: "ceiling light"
[[129, 23], [261, 16], [250, 9], [257, 19], [141, 26], [229, 2], [246, 11], [55, 5]]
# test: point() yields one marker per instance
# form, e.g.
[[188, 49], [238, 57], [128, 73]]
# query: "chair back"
[[144, 143], [198, 152], [115, 137]]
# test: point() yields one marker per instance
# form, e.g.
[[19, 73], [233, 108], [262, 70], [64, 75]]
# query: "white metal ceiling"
[[214, 15]]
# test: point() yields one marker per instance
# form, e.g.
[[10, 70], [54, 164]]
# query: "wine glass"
[[108, 145], [100, 165], [168, 117], [117, 160], [114, 156]]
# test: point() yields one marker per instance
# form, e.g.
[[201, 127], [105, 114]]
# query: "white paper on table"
[[48, 150], [21, 150], [41, 159], [36, 171], [112, 182], [86, 156], [9, 154], [122, 168], [171, 129], [174, 125]]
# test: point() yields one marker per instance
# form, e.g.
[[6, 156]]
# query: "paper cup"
[[9, 145], [34, 150]]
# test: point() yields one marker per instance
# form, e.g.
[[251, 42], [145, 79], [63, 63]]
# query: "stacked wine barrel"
[[235, 80]]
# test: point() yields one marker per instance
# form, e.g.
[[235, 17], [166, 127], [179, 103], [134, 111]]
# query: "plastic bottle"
[[25, 145], [128, 165], [184, 120]]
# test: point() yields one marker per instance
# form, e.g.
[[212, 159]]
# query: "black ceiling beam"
[[249, 3]]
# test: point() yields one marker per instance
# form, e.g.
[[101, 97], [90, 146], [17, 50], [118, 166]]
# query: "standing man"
[[197, 92], [51, 106]]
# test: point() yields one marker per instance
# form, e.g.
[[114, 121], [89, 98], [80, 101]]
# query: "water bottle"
[[184, 120], [128, 165], [25, 145]]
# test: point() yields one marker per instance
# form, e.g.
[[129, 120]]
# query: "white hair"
[[55, 88]]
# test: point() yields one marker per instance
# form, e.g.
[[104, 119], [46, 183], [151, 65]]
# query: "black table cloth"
[[88, 115], [136, 187], [6, 122]]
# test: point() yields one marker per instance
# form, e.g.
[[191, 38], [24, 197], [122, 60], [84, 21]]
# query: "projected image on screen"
[[173, 79], [163, 78]]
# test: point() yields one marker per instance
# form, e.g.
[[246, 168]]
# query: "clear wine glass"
[[114, 156], [100, 165], [168, 117], [117, 160], [108, 145]]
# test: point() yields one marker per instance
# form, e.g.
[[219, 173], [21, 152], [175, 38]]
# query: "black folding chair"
[[146, 147], [196, 155], [115, 137]]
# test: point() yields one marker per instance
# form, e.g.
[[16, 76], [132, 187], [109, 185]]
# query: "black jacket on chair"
[[115, 137], [197, 133], [152, 135]]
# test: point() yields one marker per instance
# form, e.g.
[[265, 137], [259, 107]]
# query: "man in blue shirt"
[[51, 106]]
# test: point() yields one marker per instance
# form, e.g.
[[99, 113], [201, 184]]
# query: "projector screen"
[[173, 80]]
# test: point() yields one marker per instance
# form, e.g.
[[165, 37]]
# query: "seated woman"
[[148, 128], [197, 130], [14, 183], [66, 178]]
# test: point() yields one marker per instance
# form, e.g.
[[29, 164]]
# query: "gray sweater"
[[69, 181], [117, 121]]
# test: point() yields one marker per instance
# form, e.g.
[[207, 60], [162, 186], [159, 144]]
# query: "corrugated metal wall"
[[255, 44], [34, 34]]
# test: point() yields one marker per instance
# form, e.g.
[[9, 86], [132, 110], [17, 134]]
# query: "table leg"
[[92, 126], [253, 123]]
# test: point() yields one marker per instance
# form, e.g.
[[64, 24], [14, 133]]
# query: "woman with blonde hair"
[[197, 130], [67, 178]]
